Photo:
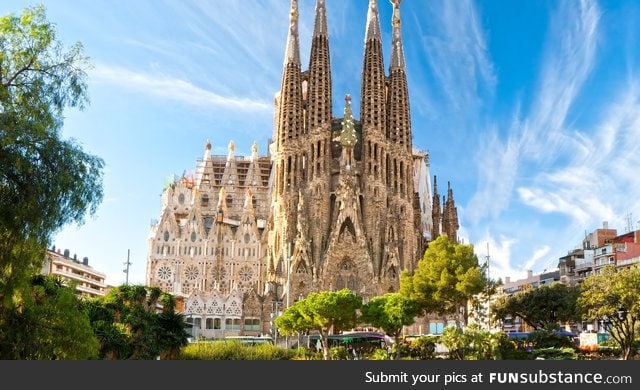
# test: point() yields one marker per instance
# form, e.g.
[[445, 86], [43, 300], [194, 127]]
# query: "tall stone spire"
[[319, 87], [399, 125], [372, 112], [374, 146], [450, 223], [373, 22], [292, 54], [290, 122], [320, 26], [397, 53]]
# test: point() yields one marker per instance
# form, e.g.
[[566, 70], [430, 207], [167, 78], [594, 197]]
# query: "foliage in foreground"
[[129, 326], [46, 182], [235, 350]]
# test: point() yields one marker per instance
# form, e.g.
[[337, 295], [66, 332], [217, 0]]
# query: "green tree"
[[130, 324], [446, 277], [324, 312], [542, 307], [613, 295], [391, 312], [49, 323], [45, 181]]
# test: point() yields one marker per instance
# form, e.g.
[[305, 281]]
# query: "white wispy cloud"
[[541, 135], [538, 255], [172, 88], [497, 164], [600, 182], [458, 55], [568, 61]]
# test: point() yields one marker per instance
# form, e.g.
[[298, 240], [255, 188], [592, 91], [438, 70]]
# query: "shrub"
[[424, 347], [555, 353], [338, 353], [379, 354], [234, 350]]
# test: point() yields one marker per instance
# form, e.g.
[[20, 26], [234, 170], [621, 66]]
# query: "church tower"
[[399, 155], [336, 203], [373, 113], [318, 100], [345, 210], [289, 158]]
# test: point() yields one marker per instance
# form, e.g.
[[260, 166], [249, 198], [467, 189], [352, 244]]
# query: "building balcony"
[[627, 262]]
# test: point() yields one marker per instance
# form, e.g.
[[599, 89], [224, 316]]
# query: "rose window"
[[164, 273], [191, 272], [246, 274]]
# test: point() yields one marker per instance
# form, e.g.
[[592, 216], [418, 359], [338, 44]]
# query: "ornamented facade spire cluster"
[[337, 202], [445, 215]]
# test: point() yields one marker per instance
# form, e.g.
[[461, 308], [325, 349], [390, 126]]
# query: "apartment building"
[[89, 282]]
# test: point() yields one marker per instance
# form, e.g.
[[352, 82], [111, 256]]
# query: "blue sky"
[[531, 109]]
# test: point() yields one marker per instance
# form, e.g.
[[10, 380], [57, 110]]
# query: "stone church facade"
[[335, 202]]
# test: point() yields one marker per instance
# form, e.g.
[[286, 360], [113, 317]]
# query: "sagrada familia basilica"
[[336, 202]]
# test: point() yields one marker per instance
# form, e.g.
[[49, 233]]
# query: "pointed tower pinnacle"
[[207, 151], [397, 52], [290, 107], [348, 136], [292, 54], [319, 86], [450, 224], [399, 117], [372, 97], [373, 22], [254, 151], [320, 26], [232, 150]]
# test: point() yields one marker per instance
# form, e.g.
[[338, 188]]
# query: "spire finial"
[[397, 52], [293, 44], [373, 21], [320, 24], [395, 20]]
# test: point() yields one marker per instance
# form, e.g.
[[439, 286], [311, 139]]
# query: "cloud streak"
[[172, 88], [542, 132], [537, 160], [458, 55]]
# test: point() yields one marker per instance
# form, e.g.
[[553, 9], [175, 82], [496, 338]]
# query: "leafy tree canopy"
[[613, 296], [391, 312], [542, 307], [323, 312], [130, 324], [45, 181], [50, 323], [446, 277]]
